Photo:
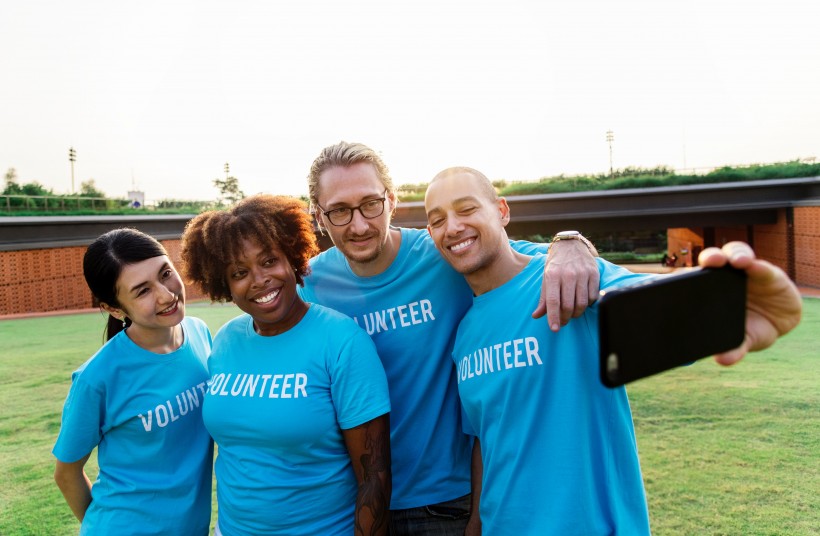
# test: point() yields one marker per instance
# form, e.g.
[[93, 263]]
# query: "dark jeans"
[[443, 519]]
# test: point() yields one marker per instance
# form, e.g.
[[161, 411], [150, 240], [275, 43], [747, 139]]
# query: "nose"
[[453, 225], [260, 278], [169, 295], [359, 223]]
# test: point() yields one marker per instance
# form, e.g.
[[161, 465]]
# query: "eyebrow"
[[162, 268], [434, 210], [465, 199], [458, 201], [365, 199]]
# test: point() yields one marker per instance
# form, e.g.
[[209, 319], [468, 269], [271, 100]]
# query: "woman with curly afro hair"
[[297, 399]]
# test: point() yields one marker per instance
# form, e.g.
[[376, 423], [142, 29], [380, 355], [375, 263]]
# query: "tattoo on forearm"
[[373, 498]]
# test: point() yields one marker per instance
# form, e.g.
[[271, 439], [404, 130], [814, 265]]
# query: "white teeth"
[[267, 298], [169, 309], [462, 245]]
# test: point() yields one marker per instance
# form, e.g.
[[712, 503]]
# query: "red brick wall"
[[770, 241], [807, 245], [39, 280], [42, 280]]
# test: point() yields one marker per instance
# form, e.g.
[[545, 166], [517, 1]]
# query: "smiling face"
[[366, 243], [466, 224], [263, 284], [151, 294]]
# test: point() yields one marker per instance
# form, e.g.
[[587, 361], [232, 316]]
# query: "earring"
[[123, 323]]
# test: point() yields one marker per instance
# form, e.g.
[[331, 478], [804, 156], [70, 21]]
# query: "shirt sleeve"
[[201, 340], [466, 426], [81, 426], [358, 383], [529, 248], [614, 276]]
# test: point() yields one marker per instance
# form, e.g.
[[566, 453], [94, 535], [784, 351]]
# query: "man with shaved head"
[[554, 449]]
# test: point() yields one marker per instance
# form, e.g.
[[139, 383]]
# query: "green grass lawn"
[[724, 450], [38, 356], [735, 450]]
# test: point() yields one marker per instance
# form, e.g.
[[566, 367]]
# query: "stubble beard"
[[365, 257]]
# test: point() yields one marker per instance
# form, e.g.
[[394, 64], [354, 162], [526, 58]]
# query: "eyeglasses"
[[372, 208]]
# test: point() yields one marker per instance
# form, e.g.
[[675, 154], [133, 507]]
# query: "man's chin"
[[463, 266], [361, 256]]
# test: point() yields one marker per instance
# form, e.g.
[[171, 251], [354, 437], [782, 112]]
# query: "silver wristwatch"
[[575, 235]]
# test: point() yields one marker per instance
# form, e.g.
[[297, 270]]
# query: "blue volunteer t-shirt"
[[558, 448], [276, 407], [411, 311], [144, 413]]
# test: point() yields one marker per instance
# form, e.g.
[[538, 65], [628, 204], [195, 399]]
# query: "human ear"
[[394, 202], [317, 216], [113, 311], [504, 210]]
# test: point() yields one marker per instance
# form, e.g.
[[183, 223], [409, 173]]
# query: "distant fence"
[[11, 204], [46, 203]]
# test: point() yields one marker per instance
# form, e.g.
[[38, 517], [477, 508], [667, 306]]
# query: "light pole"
[[227, 170], [72, 157], [610, 137]]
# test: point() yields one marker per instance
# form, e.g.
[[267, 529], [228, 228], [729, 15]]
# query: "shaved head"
[[485, 187]]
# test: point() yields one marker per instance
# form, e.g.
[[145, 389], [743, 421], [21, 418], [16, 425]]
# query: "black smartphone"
[[670, 321]]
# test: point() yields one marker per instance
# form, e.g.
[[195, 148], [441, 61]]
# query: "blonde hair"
[[345, 154]]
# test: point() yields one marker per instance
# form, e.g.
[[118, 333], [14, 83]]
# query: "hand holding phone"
[[670, 321]]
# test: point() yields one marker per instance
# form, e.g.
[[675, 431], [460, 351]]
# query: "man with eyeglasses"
[[396, 286]]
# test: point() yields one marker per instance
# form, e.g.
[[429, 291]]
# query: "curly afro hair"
[[213, 239]]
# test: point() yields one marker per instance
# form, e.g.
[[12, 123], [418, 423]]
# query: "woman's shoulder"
[[327, 315], [328, 259], [196, 325], [104, 362], [238, 325], [333, 325]]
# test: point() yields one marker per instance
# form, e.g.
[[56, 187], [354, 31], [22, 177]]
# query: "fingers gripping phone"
[[670, 321]]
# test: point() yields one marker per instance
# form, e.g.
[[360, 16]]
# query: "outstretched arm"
[[570, 284], [369, 447], [773, 304]]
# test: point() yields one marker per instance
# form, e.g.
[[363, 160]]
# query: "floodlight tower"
[[610, 137], [72, 157], [227, 170]]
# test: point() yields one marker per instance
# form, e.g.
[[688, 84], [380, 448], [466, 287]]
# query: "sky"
[[158, 95]]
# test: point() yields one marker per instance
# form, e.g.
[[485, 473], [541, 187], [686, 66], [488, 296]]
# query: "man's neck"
[[502, 269], [383, 261]]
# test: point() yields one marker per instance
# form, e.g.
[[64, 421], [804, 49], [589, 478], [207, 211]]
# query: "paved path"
[[809, 292]]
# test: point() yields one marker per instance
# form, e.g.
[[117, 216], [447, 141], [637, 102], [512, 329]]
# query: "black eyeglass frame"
[[350, 210]]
